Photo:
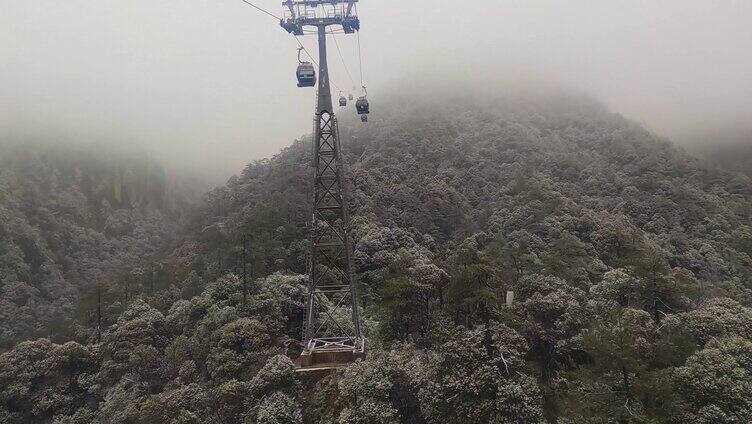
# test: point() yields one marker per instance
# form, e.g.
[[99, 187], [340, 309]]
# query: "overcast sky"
[[211, 82]]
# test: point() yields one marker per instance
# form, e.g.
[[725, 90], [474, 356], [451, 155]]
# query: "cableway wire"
[[296, 38], [336, 43], [360, 57], [315, 62], [310, 56], [261, 10]]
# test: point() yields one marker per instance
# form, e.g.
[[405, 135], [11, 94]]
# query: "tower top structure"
[[319, 13]]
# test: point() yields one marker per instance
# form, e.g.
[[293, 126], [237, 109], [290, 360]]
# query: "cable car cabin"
[[343, 101], [362, 106], [350, 97], [306, 75], [364, 118]]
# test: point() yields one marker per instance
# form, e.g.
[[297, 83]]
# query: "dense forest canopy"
[[630, 263], [74, 218]]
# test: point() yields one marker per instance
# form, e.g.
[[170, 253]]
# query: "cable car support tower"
[[332, 332]]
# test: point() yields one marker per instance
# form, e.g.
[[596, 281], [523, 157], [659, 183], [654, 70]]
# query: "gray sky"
[[211, 83]]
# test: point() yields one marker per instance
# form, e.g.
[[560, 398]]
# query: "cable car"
[[362, 106], [306, 73], [342, 100], [350, 97], [364, 118]]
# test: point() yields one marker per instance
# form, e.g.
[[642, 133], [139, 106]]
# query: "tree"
[[620, 343], [473, 293], [466, 383], [716, 382], [719, 317], [278, 408], [550, 313]]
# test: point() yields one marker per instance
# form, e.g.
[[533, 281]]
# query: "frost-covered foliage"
[[630, 264], [72, 219], [211, 358]]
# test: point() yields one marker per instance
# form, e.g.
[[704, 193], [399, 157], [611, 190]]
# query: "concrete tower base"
[[326, 359]]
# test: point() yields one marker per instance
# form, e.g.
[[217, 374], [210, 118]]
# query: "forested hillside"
[[73, 218], [630, 262]]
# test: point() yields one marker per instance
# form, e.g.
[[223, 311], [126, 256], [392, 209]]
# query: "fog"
[[209, 85]]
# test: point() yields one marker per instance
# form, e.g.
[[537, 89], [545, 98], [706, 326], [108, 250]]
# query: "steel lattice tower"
[[332, 331]]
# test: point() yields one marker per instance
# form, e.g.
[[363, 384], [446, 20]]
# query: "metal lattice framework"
[[332, 316], [317, 13]]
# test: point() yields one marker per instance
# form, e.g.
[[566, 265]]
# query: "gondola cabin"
[[362, 106], [306, 75]]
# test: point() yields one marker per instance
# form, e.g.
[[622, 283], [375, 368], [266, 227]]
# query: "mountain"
[[630, 263], [73, 217]]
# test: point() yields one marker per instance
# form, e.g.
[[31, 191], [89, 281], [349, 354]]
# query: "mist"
[[208, 86]]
